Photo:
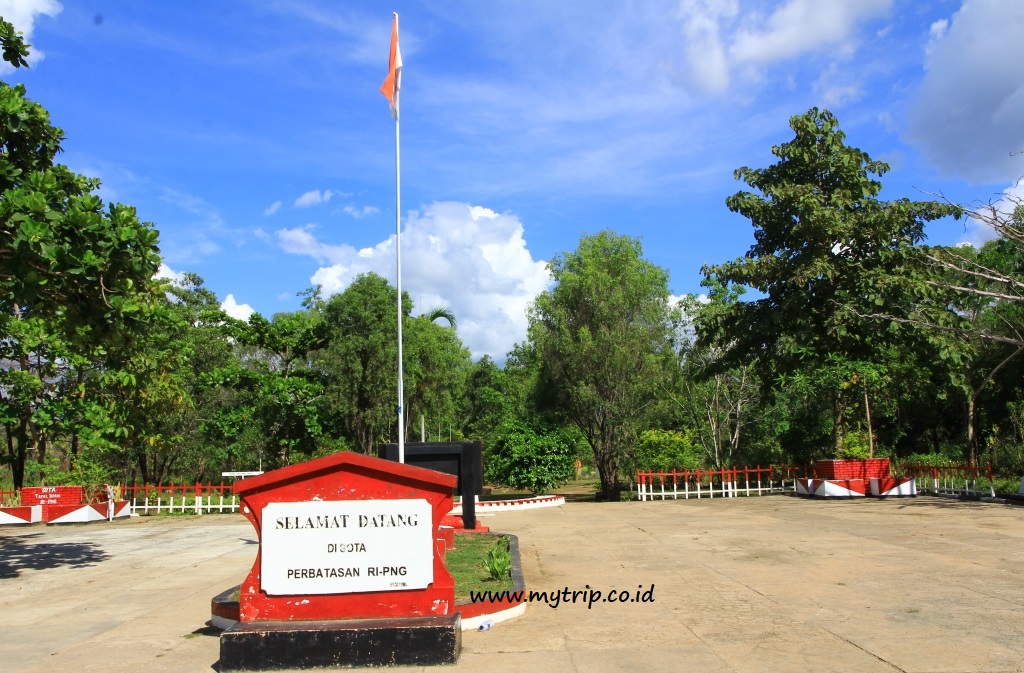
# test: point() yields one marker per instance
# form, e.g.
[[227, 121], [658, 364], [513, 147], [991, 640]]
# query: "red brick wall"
[[852, 469], [52, 495]]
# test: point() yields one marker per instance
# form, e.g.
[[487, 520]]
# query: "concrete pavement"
[[748, 584]]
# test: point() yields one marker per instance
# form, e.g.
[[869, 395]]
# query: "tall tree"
[[717, 403], [75, 276], [361, 358], [603, 336], [826, 251]]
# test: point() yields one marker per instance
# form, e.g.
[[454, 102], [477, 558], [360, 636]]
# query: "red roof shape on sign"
[[384, 470]]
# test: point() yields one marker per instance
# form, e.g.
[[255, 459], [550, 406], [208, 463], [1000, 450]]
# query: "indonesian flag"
[[393, 82]]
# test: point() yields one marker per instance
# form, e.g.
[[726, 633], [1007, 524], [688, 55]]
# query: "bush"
[[665, 450], [855, 447], [533, 458]]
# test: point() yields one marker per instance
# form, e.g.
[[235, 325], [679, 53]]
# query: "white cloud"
[[705, 50], [236, 310], [22, 15], [360, 213], [272, 208], [170, 274], [834, 87], [801, 26], [468, 258], [977, 232], [968, 116], [720, 39], [300, 241], [314, 197]]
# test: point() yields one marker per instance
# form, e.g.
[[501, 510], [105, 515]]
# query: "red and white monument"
[[350, 569]]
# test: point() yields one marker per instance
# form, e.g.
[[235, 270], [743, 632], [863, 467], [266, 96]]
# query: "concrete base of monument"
[[831, 488], [408, 641], [224, 606], [513, 505]]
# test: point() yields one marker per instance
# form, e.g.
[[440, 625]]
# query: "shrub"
[[665, 450], [534, 458], [855, 447]]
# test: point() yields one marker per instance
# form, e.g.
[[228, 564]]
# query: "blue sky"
[[254, 136]]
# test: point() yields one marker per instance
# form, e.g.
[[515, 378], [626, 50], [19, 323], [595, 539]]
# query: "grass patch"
[[465, 561]]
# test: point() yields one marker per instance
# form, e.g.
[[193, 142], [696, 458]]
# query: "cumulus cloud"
[[704, 45], [301, 241], [236, 310], [968, 115], [22, 15], [720, 39], [229, 305], [314, 198], [170, 274], [272, 208], [468, 258]]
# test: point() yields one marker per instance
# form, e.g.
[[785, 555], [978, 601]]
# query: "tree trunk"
[[971, 397], [608, 471], [837, 424], [972, 440], [867, 413], [18, 454]]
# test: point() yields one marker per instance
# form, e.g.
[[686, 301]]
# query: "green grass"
[[465, 561]]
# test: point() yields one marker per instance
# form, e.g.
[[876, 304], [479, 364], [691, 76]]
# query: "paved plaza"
[[749, 584]]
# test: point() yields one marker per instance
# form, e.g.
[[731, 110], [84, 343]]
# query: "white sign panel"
[[346, 546]]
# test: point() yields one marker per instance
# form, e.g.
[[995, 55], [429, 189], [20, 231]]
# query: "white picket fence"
[[727, 482], [181, 499]]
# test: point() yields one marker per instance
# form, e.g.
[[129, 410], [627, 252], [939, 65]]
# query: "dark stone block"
[[411, 641], [462, 459]]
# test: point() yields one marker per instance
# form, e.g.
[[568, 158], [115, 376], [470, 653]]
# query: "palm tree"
[[441, 312]]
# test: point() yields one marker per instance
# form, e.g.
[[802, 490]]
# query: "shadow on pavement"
[[19, 553], [940, 502]]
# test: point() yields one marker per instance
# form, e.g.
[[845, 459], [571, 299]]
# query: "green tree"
[[360, 326], [827, 251], [279, 391], [75, 276], [360, 358], [603, 337], [533, 456], [717, 403]]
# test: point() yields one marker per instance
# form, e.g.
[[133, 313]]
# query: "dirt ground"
[[748, 584]]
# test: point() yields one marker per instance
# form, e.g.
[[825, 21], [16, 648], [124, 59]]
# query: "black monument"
[[462, 459]]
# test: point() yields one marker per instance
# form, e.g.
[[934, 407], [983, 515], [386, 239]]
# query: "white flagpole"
[[398, 259]]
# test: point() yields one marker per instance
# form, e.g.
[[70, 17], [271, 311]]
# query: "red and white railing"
[[951, 479], [180, 498], [727, 482]]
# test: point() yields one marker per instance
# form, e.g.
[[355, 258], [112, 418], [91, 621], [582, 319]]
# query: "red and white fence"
[[180, 498], [728, 482], [951, 479]]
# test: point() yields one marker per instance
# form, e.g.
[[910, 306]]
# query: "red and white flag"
[[393, 82]]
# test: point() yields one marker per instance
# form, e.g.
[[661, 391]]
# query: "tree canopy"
[[602, 336]]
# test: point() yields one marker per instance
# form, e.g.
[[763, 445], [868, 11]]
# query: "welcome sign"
[[346, 546], [347, 536]]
